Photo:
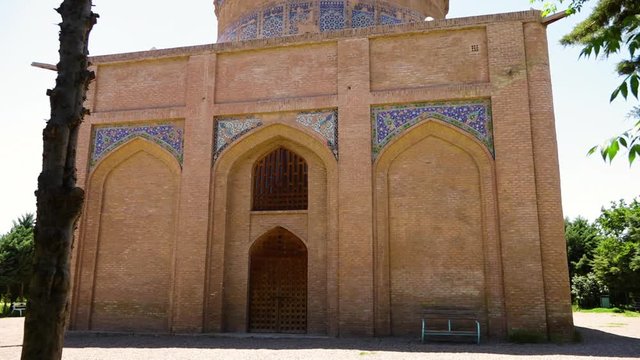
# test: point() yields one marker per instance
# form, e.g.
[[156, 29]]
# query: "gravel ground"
[[605, 336]]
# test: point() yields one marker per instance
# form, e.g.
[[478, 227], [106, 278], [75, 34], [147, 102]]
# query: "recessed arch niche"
[[235, 227], [436, 245], [126, 253]]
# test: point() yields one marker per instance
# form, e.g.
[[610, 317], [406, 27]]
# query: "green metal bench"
[[450, 322]]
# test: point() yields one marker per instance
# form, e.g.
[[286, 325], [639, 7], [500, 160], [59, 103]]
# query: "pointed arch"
[[277, 297], [130, 215], [234, 224], [439, 182]]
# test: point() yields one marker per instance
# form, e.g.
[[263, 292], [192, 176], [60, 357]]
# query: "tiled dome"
[[256, 19]]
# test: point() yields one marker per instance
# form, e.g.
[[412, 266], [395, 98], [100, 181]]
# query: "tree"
[[617, 257], [59, 200], [16, 258], [614, 25], [582, 240]]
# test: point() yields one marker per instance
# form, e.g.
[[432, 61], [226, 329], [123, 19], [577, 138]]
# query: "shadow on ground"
[[594, 343]]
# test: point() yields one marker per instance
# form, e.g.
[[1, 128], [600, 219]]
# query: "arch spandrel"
[[436, 128], [107, 139], [390, 122], [126, 150], [261, 137]]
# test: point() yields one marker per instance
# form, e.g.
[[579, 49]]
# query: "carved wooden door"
[[278, 285]]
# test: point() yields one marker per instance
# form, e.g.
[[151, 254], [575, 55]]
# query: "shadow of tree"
[[595, 343]]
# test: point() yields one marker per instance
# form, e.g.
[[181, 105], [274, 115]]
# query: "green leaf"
[[634, 85], [614, 95], [612, 149], [622, 141], [624, 90], [635, 150], [592, 150]]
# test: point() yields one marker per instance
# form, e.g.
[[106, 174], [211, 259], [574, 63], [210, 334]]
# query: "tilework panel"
[[228, 130], [288, 16], [363, 15], [324, 123], [273, 22], [106, 139], [248, 27], [471, 116], [332, 15]]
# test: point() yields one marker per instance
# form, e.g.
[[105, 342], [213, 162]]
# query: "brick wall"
[[436, 219]]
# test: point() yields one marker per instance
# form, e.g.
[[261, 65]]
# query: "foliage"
[[604, 256], [582, 239], [16, 258], [612, 27], [617, 258], [586, 290]]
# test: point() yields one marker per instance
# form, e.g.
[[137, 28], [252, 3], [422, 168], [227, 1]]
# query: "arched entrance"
[[278, 284]]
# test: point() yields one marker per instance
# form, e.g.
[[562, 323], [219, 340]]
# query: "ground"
[[604, 336]]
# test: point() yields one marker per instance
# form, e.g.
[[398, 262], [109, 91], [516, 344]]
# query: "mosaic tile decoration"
[[332, 15], [273, 22], [363, 15], [106, 139], [471, 116], [228, 130], [289, 16], [324, 123]]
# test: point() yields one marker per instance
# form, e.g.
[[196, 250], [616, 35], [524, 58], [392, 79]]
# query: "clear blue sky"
[[28, 33]]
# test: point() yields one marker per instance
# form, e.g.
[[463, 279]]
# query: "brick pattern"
[[241, 79], [128, 86], [515, 180], [384, 238], [553, 245], [399, 62]]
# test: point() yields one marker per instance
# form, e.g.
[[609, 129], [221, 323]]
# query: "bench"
[[450, 322], [19, 307]]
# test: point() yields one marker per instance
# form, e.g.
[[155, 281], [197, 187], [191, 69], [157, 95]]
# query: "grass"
[[613, 310]]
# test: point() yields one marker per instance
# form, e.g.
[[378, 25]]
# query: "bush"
[[586, 290]]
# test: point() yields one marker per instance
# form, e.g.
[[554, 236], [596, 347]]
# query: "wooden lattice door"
[[278, 284]]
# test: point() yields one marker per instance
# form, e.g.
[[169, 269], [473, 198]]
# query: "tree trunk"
[[59, 201]]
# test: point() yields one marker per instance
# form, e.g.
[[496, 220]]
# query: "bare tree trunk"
[[59, 201]]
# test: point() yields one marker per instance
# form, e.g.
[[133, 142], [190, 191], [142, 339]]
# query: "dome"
[[257, 19]]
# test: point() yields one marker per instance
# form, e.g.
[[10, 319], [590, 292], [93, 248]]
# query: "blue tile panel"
[[473, 117], [332, 15], [228, 130], [325, 123], [273, 22], [288, 16], [106, 139]]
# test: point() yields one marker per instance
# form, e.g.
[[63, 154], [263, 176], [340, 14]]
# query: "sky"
[[28, 32]]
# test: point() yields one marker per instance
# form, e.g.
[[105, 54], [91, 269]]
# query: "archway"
[[278, 284]]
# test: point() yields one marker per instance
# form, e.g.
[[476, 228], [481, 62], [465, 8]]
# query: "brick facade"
[[432, 176]]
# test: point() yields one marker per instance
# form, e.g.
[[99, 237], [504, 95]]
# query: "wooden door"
[[278, 284]]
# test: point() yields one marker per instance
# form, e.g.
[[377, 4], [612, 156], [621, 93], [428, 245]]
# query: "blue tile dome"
[[269, 19]]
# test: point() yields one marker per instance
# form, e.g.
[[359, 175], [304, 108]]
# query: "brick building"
[[328, 167]]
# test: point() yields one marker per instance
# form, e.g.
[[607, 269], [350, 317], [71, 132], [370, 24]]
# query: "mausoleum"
[[328, 167]]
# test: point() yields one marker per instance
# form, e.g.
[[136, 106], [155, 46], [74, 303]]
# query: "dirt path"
[[605, 336]]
